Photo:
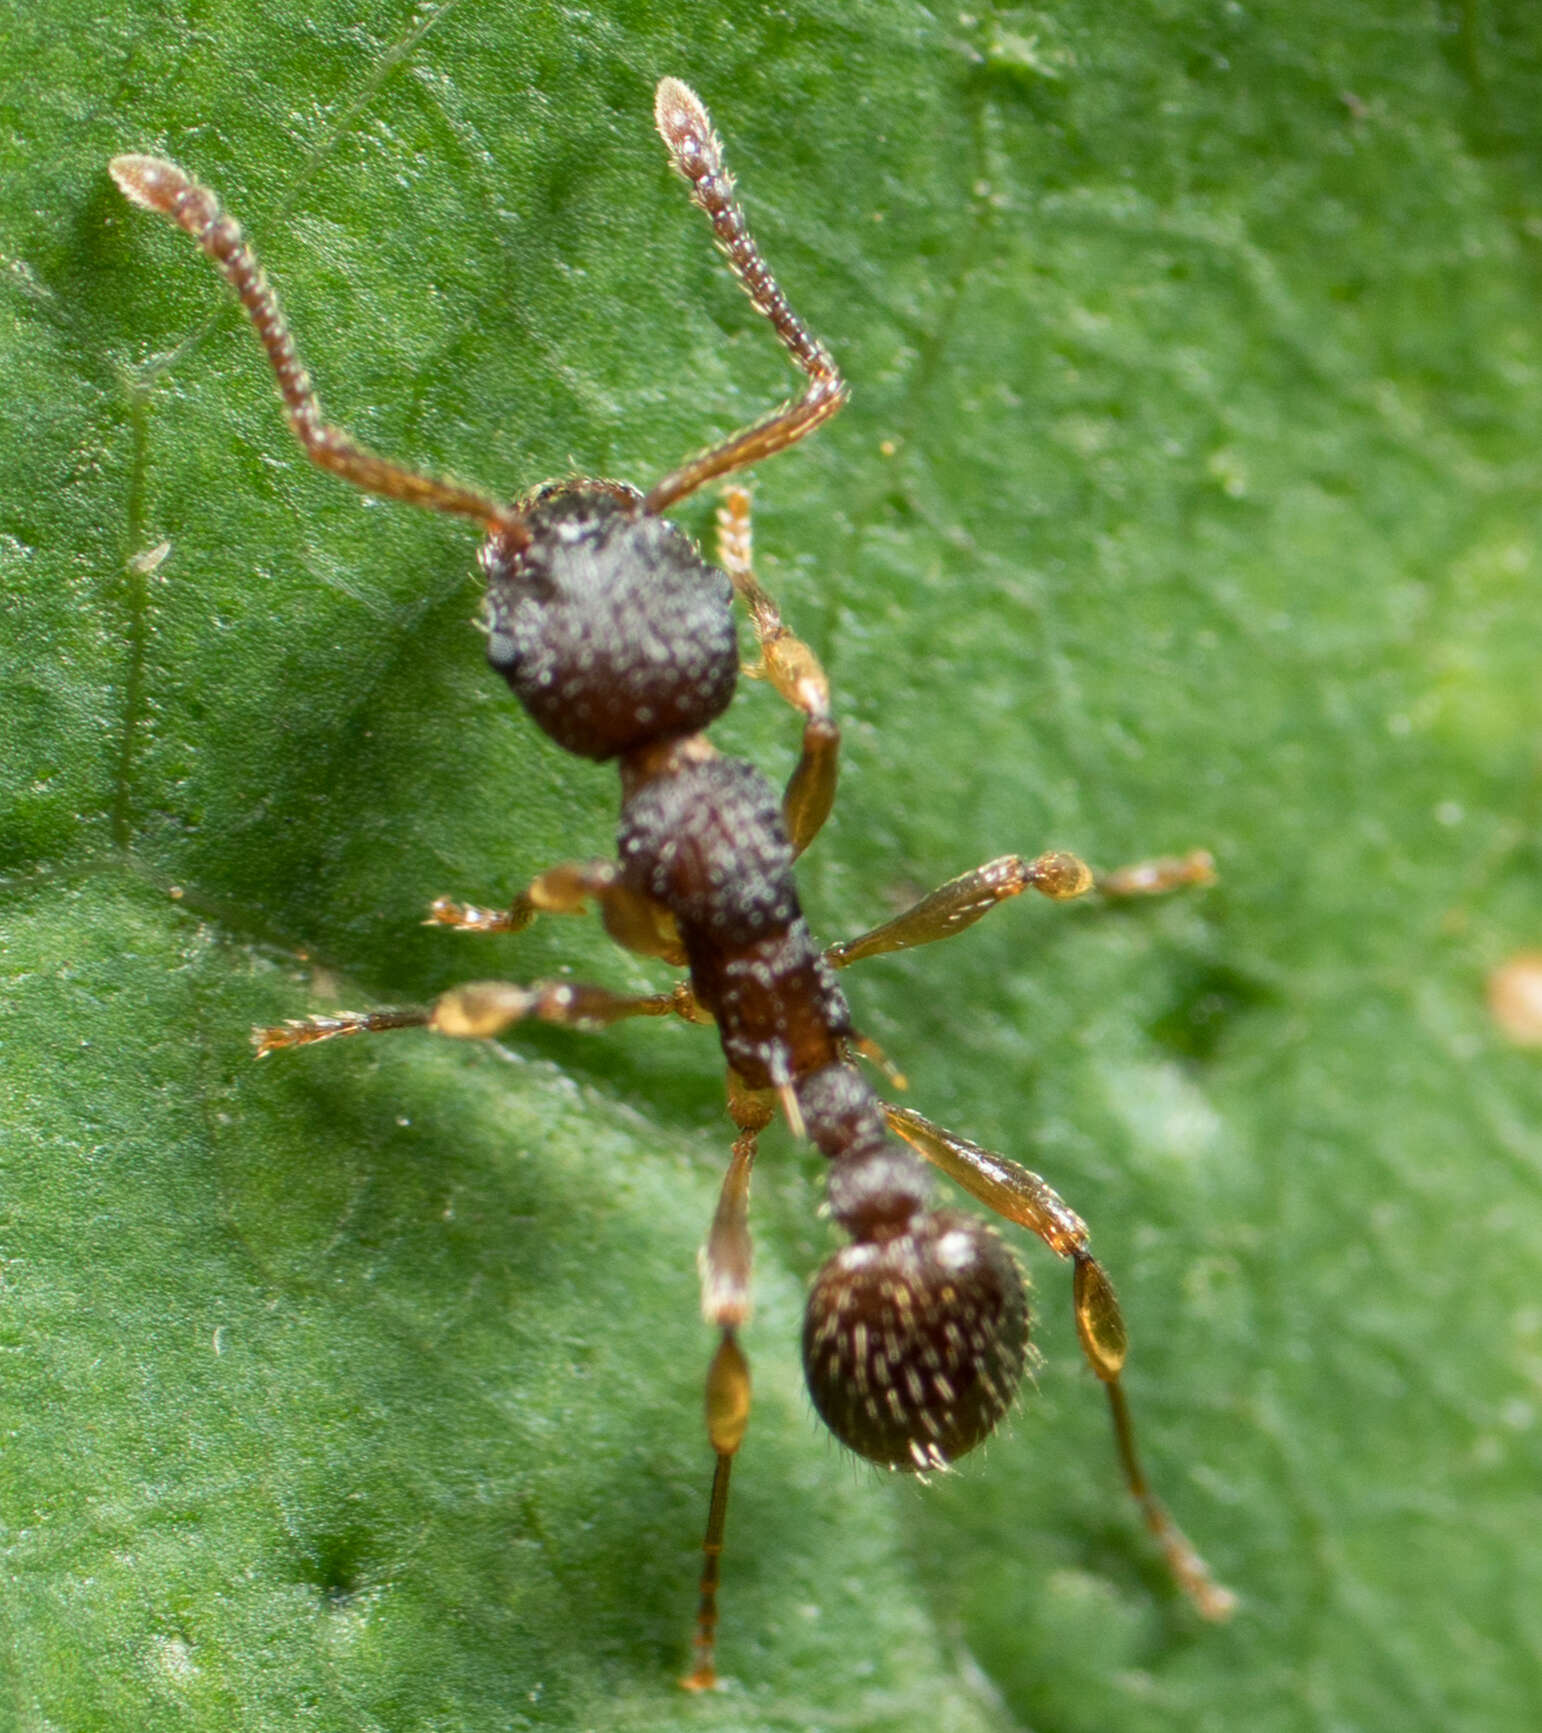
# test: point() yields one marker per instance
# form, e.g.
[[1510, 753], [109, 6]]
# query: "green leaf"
[[1189, 495]]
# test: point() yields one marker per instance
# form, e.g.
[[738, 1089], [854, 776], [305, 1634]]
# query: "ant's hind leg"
[[793, 669], [161, 186], [725, 1302], [1022, 1197], [696, 151]]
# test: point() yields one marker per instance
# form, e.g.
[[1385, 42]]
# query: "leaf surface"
[[1189, 495]]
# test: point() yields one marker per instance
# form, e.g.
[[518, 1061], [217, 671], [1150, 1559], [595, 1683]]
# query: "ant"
[[619, 640]]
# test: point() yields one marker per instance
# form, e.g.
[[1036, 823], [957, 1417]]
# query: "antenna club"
[[149, 181], [680, 115]]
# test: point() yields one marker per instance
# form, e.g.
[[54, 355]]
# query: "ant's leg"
[[725, 1302], [696, 151], [1022, 1197], [161, 186], [1154, 878], [793, 669], [481, 1009], [962, 901], [633, 919]]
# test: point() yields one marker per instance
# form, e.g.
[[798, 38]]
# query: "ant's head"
[[606, 621]]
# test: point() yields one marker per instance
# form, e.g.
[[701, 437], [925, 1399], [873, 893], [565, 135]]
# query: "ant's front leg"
[[480, 1010], [1022, 1197], [636, 921], [962, 901], [725, 1303], [793, 669]]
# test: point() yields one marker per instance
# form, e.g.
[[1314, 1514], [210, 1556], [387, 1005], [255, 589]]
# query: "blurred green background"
[[1190, 494]]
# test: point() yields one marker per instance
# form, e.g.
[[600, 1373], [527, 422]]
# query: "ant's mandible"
[[619, 640]]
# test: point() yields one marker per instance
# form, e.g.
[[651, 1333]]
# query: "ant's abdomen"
[[916, 1335], [914, 1345]]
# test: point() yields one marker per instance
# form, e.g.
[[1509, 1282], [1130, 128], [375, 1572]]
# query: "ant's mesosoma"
[[619, 640]]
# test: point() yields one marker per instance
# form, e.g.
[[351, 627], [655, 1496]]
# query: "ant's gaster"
[[619, 640]]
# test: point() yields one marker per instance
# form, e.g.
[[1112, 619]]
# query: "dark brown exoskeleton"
[[619, 640]]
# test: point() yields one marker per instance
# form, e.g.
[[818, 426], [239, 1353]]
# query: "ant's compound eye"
[[914, 1346]]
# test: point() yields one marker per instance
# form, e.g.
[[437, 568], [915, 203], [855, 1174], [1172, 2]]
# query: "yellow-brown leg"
[[725, 1302], [633, 919], [1022, 1197], [962, 901], [793, 669], [1155, 878], [481, 1009]]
